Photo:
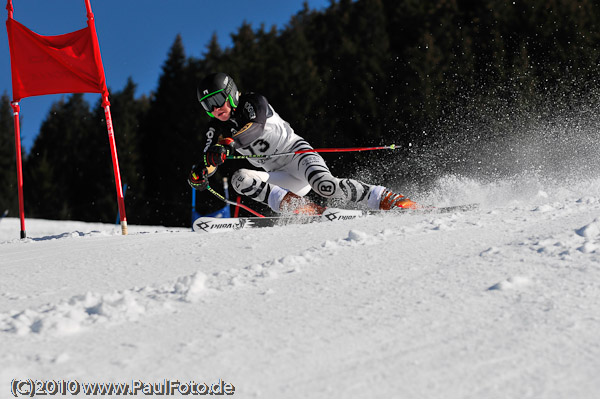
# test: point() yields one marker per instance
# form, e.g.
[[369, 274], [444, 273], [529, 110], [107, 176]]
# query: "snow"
[[498, 302]]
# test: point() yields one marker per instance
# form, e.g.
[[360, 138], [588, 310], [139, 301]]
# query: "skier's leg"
[[312, 167], [254, 184]]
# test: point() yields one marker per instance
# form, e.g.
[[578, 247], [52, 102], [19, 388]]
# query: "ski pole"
[[385, 147], [222, 198]]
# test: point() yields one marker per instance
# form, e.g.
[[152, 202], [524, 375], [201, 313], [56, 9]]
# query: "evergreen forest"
[[434, 77]]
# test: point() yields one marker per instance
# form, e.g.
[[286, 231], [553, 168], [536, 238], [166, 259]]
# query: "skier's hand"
[[198, 178], [215, 155]]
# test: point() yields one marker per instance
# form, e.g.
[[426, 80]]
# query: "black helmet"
[[215, 89]]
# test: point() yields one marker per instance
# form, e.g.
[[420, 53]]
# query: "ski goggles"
[[212, 100]]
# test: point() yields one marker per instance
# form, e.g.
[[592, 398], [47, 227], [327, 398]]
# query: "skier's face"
[[222, 113]]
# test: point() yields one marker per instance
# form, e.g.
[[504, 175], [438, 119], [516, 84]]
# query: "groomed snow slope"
[[500, 302]]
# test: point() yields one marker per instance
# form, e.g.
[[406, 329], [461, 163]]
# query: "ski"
[[434, 209], [215, 225], [218, 225]]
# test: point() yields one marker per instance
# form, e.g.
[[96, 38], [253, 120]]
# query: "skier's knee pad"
[[244, 180], [345, 189], [327, 186], [318, 175]]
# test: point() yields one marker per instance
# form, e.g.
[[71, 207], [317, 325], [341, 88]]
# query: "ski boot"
[[390, 201], [294, 204]]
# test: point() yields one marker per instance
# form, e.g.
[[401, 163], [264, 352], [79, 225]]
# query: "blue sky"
[[135, 36]]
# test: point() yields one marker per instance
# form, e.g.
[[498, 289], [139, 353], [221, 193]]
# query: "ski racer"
[[248, 124]]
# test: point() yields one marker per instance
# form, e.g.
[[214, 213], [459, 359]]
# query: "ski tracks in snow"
[[85, 310], [393, 234]]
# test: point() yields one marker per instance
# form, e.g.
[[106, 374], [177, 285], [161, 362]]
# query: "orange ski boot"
[[292, 203], [390, 200]]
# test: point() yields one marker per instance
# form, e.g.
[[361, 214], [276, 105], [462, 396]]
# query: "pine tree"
[[127, 114], [57, 174], [297, 89], [168, 142]]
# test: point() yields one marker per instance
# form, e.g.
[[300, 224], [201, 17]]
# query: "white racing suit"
[[258, 130]]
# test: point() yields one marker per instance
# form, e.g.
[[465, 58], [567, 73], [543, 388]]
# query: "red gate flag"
[[53, 64], [69, 63]]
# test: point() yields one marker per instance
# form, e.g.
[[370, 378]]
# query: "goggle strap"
[[211, 94]]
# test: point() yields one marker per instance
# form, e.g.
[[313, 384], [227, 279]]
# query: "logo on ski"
[[200, 225], [330, 216], [207, 226]]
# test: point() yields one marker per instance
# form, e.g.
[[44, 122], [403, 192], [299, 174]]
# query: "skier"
[[248, 124]]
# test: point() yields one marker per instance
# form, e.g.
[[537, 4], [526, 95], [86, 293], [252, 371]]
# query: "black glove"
[[198, 178], [216, 154]]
